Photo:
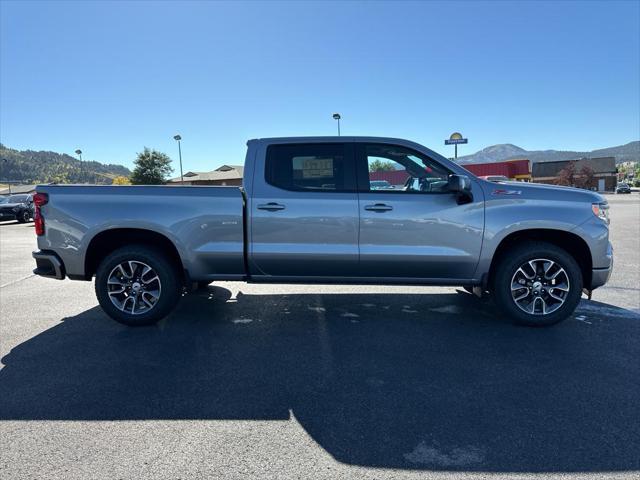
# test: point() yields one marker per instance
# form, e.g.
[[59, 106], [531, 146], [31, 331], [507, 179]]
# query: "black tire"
[[167, 273], [23, 217], [512, 260]]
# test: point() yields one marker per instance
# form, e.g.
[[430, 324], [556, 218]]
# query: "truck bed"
[[204, 223]]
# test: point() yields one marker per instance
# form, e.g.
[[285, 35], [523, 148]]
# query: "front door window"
[[399, 169]]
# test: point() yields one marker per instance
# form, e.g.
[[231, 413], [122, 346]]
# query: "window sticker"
[[312, 167]]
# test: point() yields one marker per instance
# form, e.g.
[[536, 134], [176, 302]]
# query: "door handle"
[[271, 206], [378, 207]]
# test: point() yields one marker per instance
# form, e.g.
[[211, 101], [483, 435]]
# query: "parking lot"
[[290, 381]]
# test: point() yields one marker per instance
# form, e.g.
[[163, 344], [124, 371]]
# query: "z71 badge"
[[501, 191]]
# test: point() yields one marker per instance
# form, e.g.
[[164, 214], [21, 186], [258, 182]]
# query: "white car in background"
[[495, 178]]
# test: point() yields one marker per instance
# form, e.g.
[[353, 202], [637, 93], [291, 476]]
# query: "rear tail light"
[[39, 199]]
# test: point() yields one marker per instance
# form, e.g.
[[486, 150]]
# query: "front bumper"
[[49, 265], [600, 276]]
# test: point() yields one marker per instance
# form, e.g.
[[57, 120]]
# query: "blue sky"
[[113, 77]]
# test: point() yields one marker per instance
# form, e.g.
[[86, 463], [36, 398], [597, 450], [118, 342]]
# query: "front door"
[[304, 217], [411, 226]]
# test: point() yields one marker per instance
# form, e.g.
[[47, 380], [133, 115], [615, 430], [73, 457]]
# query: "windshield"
[[17, 198]]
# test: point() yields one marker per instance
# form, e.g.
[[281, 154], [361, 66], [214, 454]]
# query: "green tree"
[[151, 168], [381, 166]]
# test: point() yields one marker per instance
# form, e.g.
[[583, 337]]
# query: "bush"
[[121, 180]]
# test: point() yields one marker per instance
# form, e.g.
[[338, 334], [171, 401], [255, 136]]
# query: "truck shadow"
[[431, 382]]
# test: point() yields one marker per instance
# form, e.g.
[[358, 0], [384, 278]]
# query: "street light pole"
[[4, 161], [79, 153], [336, 116], [178, 138]]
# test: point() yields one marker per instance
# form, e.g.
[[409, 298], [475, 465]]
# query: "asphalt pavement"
[[294, 381]]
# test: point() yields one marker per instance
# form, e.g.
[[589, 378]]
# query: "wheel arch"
[[573, 244], [107, 241]]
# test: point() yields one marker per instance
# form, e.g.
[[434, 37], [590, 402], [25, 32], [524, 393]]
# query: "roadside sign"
[[456, 139]]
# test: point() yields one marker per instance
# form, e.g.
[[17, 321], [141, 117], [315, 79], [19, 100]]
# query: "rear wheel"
[[537, 284], [23, 217], [137, 285]]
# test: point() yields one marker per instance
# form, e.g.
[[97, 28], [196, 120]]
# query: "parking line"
[[18, 280]]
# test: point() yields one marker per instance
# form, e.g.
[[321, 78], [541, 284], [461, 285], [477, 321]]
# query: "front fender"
[[506, 216]]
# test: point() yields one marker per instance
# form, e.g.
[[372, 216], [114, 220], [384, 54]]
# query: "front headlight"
[[601, 210]]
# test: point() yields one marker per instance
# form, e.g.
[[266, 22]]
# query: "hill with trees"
[[28, 167]]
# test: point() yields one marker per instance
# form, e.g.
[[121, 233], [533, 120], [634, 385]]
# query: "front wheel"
[[137, 285], [537, 284]]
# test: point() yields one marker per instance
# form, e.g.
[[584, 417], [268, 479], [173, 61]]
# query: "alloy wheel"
[[134, 287], [540, 286]]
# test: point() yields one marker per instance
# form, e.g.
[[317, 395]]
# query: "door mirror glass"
[[461, 185]]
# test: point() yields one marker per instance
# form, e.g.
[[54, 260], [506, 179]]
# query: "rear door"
[[416, 228], [304, 214]]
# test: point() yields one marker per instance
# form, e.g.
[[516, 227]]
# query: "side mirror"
[[461, 186], [459, 183]]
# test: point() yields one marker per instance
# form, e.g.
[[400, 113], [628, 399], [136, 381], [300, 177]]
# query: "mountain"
[[507, 151], [494, 153], [28, 167]]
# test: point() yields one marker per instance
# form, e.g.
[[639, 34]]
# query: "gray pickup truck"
[[309, 212]]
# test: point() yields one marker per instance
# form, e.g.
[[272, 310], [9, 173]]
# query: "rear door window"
[[323, 167]]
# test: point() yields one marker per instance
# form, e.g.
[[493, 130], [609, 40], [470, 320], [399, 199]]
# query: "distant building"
[[226, 175], [604, 172], [512, 169], [627, 171]]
